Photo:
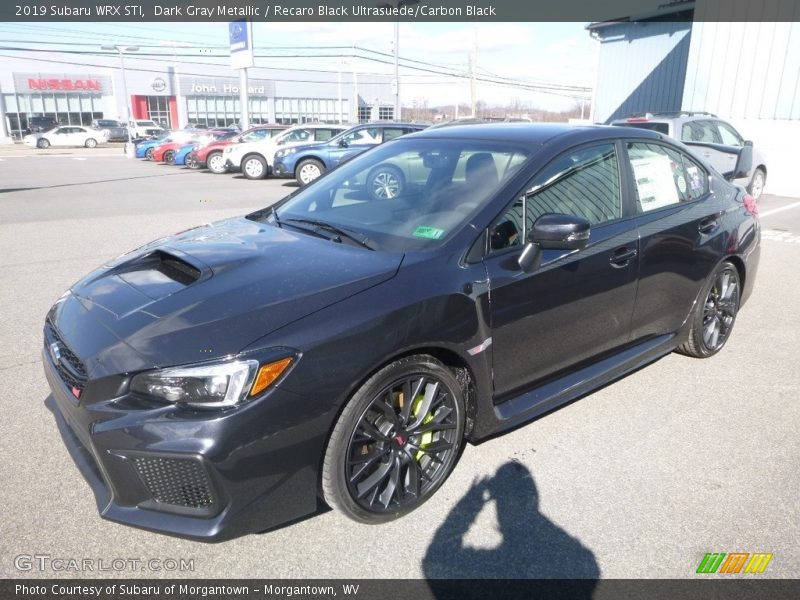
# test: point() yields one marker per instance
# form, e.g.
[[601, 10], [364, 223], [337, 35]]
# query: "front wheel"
[[169, 157], [254, 167], [191, 162], [715, 314], [396, 441], [756, 187], [308, 170], [42, 143], [148, 154], [91, 143], [216, 163]]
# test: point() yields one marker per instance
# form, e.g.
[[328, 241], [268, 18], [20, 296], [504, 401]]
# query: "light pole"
[[397, 4], [122, 50]]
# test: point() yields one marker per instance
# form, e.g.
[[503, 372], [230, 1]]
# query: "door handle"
[[622, 257], [708, 225]]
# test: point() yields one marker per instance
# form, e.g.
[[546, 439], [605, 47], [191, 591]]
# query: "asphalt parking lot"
[[638, 480]]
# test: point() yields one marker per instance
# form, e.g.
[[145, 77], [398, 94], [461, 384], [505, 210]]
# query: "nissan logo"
[[158, 84]]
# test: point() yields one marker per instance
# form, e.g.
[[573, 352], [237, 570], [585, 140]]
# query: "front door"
[[578, 305]]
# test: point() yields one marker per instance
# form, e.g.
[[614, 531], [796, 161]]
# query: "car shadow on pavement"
[[532, 546]]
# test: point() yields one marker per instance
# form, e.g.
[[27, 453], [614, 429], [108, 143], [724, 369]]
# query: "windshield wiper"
[[338, 231]]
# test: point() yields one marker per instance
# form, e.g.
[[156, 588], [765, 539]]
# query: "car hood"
[[208, 292]]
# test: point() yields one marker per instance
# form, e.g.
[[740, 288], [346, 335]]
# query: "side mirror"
[[553, 231], [744, 164], [343, 144]]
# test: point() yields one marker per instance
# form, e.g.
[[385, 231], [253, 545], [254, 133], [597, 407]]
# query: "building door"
[[158, 111]]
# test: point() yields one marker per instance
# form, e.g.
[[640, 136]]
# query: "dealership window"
[[66, 108], [291, 111], [364, 114], [386, 113], [158, 111], [223, 111]]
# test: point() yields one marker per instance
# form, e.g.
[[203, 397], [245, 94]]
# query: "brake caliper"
[[426, 438]]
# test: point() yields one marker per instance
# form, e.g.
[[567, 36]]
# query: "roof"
[[530, 133], [674, 10]]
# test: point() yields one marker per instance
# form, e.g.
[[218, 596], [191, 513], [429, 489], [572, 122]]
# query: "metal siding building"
[[642, 68], [737, 59]]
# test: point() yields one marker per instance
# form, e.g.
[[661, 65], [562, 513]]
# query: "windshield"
[[405, 195], [146, 124]]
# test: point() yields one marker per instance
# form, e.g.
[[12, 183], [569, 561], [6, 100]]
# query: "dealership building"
[[176, 94]]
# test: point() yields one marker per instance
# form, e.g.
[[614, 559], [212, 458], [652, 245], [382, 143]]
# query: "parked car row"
[[303, 152]]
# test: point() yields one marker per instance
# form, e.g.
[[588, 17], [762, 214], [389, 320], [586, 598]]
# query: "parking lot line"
[[780, 209]]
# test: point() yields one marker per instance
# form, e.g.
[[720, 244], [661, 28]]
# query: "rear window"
[[659, 127]]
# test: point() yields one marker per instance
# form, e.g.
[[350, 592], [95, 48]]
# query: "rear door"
[[705, 138], [578, 305], [679, 229]]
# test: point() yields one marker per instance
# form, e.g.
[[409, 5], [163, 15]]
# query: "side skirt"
[[536, 402]]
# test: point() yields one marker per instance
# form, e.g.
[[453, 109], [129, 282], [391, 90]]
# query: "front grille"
[[176, 481], [70, 368]]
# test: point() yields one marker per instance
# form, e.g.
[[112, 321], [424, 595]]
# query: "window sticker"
[[681, 184], [431, 233], [694, 178], [654, 181]]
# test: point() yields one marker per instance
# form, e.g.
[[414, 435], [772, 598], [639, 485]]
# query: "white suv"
[[144, 128], [254, 159]]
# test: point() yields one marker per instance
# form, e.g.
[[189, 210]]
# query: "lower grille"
[[176, 481]]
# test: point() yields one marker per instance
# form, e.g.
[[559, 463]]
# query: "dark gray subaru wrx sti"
[[343, 345]]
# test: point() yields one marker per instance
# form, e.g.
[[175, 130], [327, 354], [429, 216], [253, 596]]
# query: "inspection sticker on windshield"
[[431, 233]]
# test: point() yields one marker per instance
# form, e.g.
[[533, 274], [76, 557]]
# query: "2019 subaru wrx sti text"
[[342, 345]]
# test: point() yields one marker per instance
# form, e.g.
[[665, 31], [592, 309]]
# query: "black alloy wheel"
[[396, 441], [714, 317]]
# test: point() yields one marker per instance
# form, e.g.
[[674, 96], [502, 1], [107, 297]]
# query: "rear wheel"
[[308, 170], [42, 143], [216, 163], [756, 187], [396, 441], [191, 162], [714, 316], [148, 154], [254, 167], [91, 143]]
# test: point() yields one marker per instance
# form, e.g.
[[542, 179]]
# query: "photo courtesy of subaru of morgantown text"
[[341, 346]]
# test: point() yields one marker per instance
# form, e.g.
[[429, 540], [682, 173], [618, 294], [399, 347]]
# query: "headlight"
[[285, 152], [213, 385], [195, 148], [227, 150]]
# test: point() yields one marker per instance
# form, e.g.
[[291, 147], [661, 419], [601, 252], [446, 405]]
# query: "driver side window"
[[583, 182]]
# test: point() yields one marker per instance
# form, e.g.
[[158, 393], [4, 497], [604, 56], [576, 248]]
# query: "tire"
[[191, 162], [216, 163], [402, 469], [148, 154], [385, 182], [254, 167], [91, 143], [756, 187], [715, 313], [169, 157], [42, 143], [308, 170]]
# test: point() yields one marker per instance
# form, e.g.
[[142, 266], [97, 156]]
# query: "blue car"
[[306, 163], [182, 153], [144, 148]]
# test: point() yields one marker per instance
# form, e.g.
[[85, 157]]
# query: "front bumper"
[[281, 170], [205, 475], [231, 166]]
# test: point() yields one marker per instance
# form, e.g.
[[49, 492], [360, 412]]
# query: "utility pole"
[[473, 63], [396, 82]]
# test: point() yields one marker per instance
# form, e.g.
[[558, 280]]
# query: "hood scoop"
[[159, 273]]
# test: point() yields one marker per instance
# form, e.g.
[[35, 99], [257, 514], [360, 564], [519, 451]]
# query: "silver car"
[[713, 138], [116, 130]]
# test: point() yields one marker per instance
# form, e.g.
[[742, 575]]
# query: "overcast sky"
[[557, 53]]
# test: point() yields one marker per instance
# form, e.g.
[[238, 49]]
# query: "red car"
[[210, 155], [166, 151]]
